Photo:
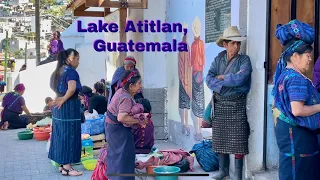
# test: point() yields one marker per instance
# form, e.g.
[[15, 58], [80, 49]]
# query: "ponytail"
[[62, 61]]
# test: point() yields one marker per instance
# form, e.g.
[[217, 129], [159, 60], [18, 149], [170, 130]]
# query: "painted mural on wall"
[[198, 62], [191, 68], [185, 86]]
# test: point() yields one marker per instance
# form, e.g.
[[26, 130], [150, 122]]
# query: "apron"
[[121, 150]]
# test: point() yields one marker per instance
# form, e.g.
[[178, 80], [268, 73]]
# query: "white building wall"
[[160, 69], [91, 68]]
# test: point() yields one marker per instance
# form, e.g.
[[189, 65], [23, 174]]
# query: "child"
[[49, 104]]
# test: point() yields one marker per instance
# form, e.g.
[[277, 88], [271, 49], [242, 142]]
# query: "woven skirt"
[[66, 145], [197, 97], [184, 99], [230, 128]]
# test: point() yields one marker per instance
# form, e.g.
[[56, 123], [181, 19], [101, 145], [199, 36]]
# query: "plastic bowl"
[[42, 135], [150, 169], [166, 170], [25, 135], [90, 164]]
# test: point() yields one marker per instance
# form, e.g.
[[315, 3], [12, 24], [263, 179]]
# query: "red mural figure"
[[197, 62], [185, 88]]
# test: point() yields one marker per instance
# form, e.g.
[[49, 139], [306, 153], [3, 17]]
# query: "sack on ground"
[[93, 126], [206, 157]]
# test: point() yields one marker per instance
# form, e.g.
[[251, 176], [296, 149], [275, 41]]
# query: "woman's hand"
[[59, 101]]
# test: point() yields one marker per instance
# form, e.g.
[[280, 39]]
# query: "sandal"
[[70, 170], [60, 168]]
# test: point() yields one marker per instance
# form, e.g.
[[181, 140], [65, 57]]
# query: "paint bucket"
[[166, 170]]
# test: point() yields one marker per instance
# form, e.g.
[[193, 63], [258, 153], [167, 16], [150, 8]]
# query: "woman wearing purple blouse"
[[14, 104], [55, 46], [316, 75]]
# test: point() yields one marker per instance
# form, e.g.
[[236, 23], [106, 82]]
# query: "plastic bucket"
[[166, 170]]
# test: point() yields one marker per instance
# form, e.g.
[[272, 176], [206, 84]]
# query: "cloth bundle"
[[137, 113]]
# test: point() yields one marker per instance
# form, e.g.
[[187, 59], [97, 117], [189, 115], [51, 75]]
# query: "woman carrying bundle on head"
[[297, 104]]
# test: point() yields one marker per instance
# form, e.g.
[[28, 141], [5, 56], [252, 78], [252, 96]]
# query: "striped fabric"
[[65, 145]]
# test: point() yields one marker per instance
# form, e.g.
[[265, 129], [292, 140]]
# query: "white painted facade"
[[45, 26], [91, 68], [159, 69]]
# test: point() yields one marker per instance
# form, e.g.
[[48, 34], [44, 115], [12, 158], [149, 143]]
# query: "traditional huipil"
[[12, 111], [65, 145], [296, 138], [121, 147]]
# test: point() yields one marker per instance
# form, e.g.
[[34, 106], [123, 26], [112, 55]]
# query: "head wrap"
[[130, 59], [86, 92], [295, 29], [124, 81], [19, 87]]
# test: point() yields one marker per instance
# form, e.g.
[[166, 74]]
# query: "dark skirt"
[[184, 99], [230, 128], [66, 145], [197, 97], [121, 151], [299, 153], [15, 120]]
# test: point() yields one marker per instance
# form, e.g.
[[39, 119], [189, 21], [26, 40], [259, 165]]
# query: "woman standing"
[[121, 147], [65, 146], [296, 104], [14, 104], [129, 64]]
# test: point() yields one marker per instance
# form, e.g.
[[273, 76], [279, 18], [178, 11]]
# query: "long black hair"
[[306, 48], [62, 61], [134, 79]]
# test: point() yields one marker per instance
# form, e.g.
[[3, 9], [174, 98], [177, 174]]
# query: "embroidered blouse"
[[292, 86]]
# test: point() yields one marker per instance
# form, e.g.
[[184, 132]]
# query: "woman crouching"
[[121, 146]]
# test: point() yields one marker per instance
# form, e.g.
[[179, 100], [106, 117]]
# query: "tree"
[[45, 3]]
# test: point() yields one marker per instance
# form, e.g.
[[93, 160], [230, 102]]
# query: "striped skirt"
[[65, 145], [298, 152]]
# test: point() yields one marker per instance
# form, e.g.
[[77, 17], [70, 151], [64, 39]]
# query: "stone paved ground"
[[27, 160]]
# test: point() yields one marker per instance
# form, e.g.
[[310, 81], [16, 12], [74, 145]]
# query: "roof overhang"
[[79, 7]]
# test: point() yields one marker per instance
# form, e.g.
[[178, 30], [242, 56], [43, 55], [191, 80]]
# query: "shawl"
[[295, 29]]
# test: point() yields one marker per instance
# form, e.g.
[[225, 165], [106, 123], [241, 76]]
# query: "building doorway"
[[281, 12]]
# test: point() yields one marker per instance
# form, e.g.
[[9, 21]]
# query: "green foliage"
[[17, 54], [44, 3], [57, 11]]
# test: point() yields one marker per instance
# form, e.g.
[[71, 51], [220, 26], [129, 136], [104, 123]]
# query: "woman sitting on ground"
[[14, 104], [144, 134], [85, 94], [98, 101]]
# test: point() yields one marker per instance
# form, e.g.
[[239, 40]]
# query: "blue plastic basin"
[[166, 170]]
